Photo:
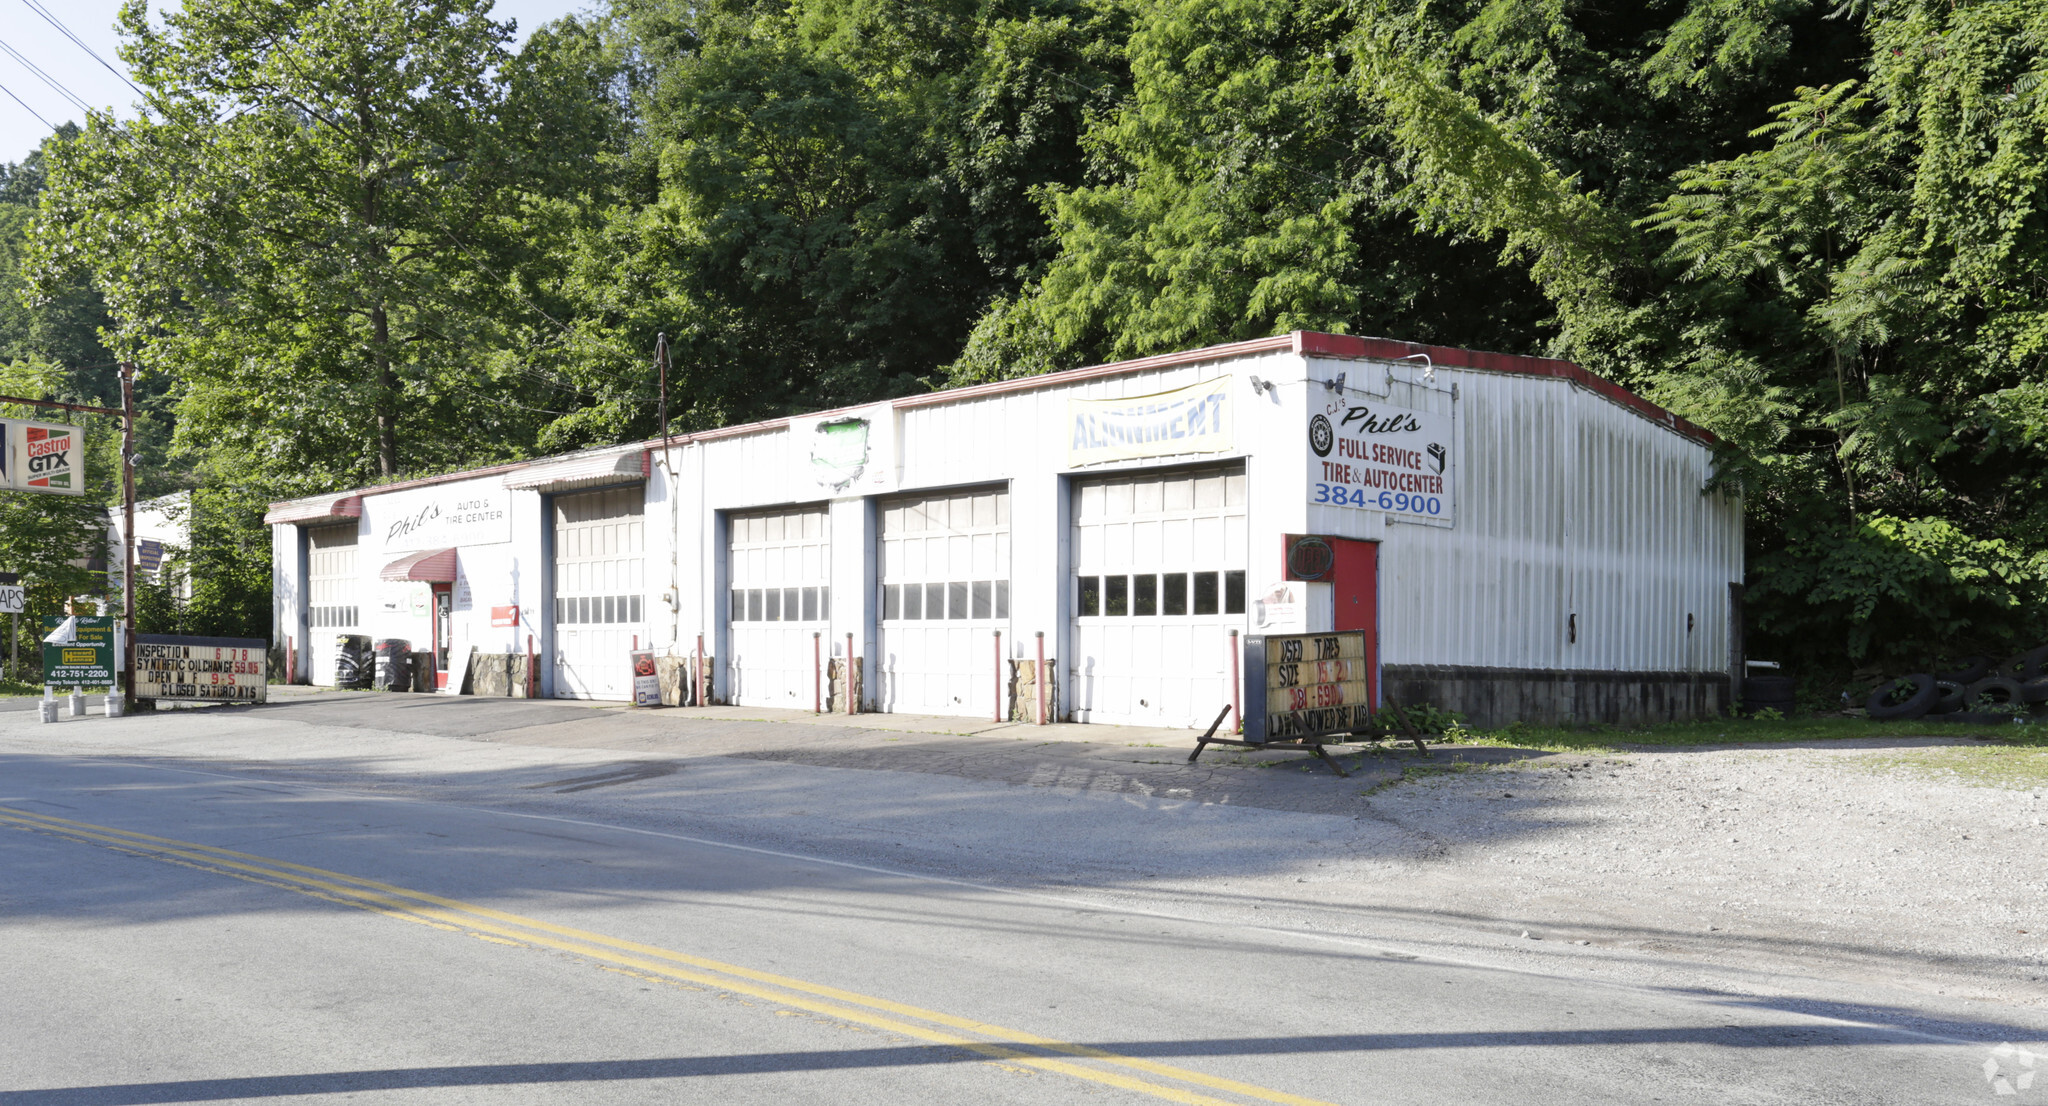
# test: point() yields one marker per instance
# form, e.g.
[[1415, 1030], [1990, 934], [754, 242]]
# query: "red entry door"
[[1356, 580], [444, 616]]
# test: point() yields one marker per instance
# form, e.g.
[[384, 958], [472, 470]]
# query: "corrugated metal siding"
[[1567, 504]]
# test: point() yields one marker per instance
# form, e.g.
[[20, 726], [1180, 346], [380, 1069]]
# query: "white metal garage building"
[[1523, 540]]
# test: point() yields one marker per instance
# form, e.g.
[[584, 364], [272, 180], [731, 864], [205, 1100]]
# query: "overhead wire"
[[530, 373], [47, 79], [26, 108], [80, 43]]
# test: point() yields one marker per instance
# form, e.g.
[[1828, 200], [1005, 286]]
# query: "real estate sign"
[[86, 662]]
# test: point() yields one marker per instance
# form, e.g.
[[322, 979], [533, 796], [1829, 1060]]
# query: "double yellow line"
[[993, 1041]]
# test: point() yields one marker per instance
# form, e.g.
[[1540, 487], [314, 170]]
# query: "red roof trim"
[[1277, 344], [315, 510], [1308, 343], [1315, 344]]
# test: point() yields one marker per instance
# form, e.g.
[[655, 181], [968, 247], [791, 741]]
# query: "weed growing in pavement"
[[1418, 773]]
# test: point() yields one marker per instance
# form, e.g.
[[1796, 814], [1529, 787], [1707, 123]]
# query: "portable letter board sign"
[[1306, 686], [1301, 692], [201, 669]]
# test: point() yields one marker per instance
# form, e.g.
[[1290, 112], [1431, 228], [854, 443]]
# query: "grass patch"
[[2015, 766], [1734, 731], [13, 689]]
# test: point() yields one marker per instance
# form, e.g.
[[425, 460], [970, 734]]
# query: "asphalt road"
[[186, 931]]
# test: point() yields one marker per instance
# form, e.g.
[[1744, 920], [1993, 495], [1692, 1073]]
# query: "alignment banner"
[[1194, 419]]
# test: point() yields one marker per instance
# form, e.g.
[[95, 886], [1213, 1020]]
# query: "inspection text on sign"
[[212, 673]]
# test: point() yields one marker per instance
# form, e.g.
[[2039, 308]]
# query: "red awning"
[[435, 567], [586, 470], [320, 508]]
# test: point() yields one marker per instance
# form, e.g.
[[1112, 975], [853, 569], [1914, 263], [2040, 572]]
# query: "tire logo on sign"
[[1320, 436]]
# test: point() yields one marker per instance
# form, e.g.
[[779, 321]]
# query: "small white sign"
[[13, 598], [459, 515], [1282, 609]]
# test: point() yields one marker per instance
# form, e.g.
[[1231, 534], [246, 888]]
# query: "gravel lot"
[[1830, 860]]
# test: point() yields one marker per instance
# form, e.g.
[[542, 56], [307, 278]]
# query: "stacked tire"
[[1905, 698], [1778, 693], [1975, 690]]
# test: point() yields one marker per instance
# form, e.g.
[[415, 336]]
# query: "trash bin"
[[423, 671], [394, 665], [352, 667]]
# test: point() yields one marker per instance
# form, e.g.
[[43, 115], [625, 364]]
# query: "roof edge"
[[1308, 343], [1317, 344]]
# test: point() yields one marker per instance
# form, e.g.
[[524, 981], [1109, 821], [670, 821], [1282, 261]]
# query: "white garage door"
[[1159, 567], [333, 596], [600, 538], [945, 591], [780, 573]]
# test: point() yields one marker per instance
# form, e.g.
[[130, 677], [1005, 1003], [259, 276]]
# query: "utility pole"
[[127, 413], [128, 535]]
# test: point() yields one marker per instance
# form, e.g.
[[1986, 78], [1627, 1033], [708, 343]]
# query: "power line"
[[55, 22], [47, 79], [26, 108], [475, 262]]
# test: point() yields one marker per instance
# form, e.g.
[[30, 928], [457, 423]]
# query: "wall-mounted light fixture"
[[1336, 385], [1428, 366], [1265, 386]]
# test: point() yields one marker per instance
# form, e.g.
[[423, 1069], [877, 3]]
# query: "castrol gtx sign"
[[43, 457], [1374, 456]]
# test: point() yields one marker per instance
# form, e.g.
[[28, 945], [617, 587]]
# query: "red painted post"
[[851, 702], [291, 660], [999, 676], [1039, 682], [1236, 681], [817, 673]]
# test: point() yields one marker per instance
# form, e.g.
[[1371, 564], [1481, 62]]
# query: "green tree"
[[326, 221], [57, 543], [824, 195]]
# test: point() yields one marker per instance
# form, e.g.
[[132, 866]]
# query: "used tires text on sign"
[[201, 669], [1307, 686]]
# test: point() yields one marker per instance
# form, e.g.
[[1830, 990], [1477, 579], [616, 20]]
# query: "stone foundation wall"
[[1498, 696]]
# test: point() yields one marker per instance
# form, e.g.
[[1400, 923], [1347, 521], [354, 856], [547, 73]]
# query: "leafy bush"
[[1893, 591]]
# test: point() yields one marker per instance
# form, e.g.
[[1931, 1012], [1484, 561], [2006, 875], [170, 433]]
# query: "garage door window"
[[782, 604], [1162, 595]]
